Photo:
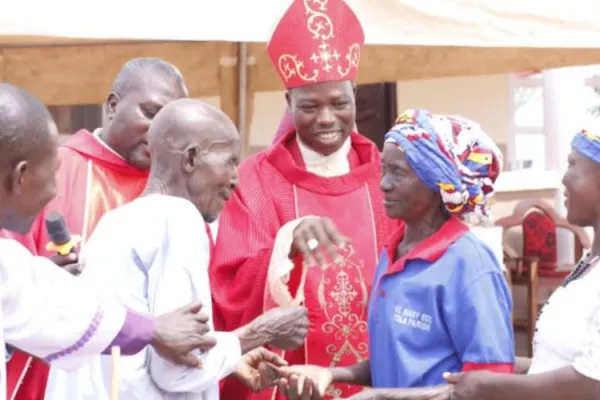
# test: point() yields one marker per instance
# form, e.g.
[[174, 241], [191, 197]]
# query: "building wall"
[[484, 99]]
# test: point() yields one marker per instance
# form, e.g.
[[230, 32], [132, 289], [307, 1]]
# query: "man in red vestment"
[[285, 125], [319, 167], [99, 171]]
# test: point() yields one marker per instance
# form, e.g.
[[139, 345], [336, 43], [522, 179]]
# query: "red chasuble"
[[276, 188], [91, 181]]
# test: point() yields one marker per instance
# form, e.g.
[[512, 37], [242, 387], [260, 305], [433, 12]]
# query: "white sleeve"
[[107, 263], [588, 363], [106, 260], [49, 313], [183, 262], [218, 362], [280, 267]]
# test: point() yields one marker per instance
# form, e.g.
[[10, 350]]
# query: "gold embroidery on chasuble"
[[103, 195], [343, 296]]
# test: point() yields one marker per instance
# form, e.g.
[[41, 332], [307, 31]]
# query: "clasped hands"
[[284, 328], [261, 369]]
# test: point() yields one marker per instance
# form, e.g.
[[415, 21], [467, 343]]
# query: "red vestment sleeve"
[[238, 273]]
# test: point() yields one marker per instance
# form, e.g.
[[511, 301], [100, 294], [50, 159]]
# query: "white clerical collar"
[[96, 134], [334, 164]]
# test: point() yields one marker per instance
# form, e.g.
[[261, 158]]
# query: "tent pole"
[[242, 92], [1, 65]]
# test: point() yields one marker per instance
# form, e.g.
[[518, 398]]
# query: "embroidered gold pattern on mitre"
[[352, 60], [321, 27], [337, 295]]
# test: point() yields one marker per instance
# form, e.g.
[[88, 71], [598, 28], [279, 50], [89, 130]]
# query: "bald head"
[[135, 71], [28, 158], [26, 126], [187, 121], [195, 150]]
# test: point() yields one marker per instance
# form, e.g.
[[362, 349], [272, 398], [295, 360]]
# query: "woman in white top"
[[566, 354]]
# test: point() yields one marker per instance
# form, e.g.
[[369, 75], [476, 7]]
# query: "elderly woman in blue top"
[[566, 345], [440, 302]]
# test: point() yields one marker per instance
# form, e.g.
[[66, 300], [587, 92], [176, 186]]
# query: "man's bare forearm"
[[561, 384], [251, 338], [425, 393], [358, 374]]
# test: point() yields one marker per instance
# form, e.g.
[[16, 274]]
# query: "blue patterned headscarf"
[[452, 155], [588, 144]]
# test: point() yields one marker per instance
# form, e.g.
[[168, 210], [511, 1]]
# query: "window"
[[529, 140], [529, 109], [592, 84], [528, 102], [530, 151]]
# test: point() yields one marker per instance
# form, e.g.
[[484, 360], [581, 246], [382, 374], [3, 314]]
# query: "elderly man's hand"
[[254, 371], [283, 327]]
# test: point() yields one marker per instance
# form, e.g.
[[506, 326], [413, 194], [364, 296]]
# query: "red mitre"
[[316, 41]]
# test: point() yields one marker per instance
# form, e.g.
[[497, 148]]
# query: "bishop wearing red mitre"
[[319, 167]]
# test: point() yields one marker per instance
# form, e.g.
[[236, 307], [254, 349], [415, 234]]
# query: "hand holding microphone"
[[63, 243]]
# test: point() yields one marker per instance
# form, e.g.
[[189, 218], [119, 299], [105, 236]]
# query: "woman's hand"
[[304, 382]]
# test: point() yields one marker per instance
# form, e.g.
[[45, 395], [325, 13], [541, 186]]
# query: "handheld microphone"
[[61, 240]]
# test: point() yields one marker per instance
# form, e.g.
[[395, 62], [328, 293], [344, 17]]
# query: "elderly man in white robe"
[[44, 310], [159, 252]]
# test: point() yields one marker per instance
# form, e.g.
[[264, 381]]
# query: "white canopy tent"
[[482, 23], [68, 51]]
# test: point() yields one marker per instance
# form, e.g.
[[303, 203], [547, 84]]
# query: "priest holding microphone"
[[44, 311]]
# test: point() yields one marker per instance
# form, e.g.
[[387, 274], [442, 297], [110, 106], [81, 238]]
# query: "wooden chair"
[[539, 222], [523, 271]]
